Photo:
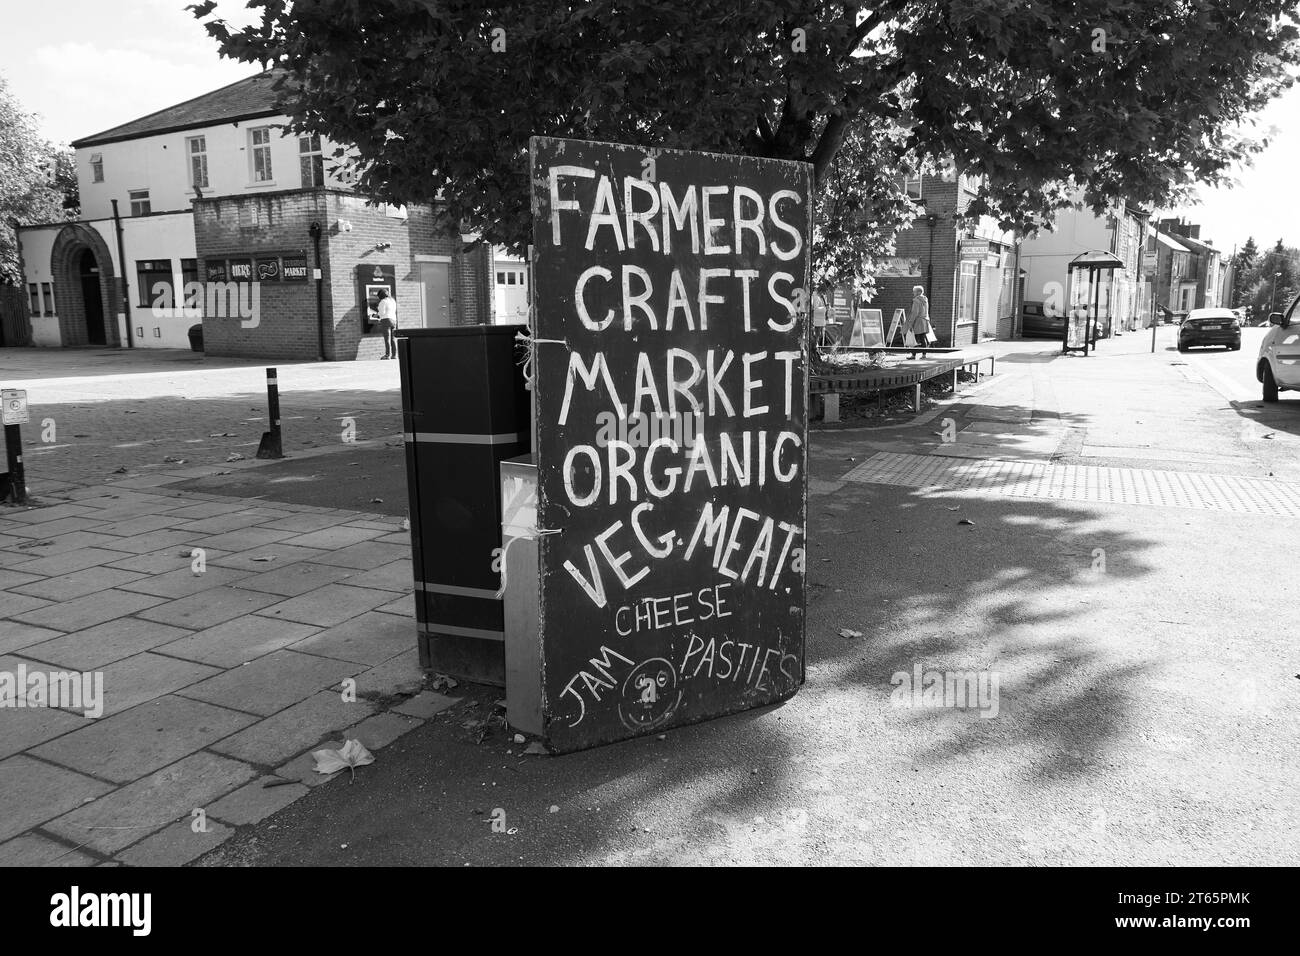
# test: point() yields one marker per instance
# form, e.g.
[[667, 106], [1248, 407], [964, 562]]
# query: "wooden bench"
[[830, 385]]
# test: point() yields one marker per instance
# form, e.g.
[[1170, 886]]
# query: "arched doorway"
[[93, 301], [89, 291]]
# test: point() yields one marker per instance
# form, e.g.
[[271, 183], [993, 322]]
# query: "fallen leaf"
[[172, 459], [553, 809], [520, 738], [536, 748], [376, 501], [351, 755], [234, 456], [265, 557], [849, 632], [440, 681], [222, 435], [965, 521]]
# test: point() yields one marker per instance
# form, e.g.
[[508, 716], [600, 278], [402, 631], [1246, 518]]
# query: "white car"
[[1278, 366]]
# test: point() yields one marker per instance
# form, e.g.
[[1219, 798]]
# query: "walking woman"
[[918, 318]]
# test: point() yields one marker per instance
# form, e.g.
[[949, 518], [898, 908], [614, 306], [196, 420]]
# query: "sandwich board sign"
[[868, 329], [670, 384]]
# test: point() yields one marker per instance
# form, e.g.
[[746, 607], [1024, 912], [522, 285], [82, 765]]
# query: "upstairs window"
[[139, 201], [47, 294], [913, 186], [197, 147], [34, 298], [260, 143], [96, 167], [311, 162]]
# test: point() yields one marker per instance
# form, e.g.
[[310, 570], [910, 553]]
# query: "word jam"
[[676, 294]]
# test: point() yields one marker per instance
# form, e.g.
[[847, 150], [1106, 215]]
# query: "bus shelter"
[[1092, 289]]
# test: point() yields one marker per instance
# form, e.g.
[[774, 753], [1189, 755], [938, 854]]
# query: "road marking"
[[1134, 486]]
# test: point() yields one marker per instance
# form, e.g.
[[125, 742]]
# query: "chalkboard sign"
[[670, 381]]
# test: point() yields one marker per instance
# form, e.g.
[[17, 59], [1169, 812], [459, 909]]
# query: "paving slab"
[[401, 675], [272, 741], [105, 643], [335, 538], [405, 606], [208, 608], [162, 561], [152, 803], [66, 587], [380, 730], [14, 635], [303, 523], [133, 526], [177, 845], [75, 560], [208, 509], [26, 727], [141, 740], [295, 579], [151, 541], [32, 792], [183, 581], [32, 849], [366, 555], [221, 523], [329, 605], [41, 515], [271, 683], [84, 612], [394, 576], [425, 704], [267, 557], [16, 579], [369, 639], [143, 677], [63, 526], [235, 642], [252, 802], [242, 540], [72, 540]]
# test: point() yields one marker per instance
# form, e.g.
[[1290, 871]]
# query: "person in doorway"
[[387, 310], [918, 318]]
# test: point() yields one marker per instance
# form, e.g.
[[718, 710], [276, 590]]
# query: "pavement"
[[1072, 526]]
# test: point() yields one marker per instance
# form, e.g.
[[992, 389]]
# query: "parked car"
[[1278, 365], [1209, 327], [1169, 316], [1036, 320]]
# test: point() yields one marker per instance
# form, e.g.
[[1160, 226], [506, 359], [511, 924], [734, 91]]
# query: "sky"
[[88, 65]]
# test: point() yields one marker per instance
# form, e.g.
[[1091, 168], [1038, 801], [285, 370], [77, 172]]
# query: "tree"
[[1243, 265], [34, 180], [1044, 101]]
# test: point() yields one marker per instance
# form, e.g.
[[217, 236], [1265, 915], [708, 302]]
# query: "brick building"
[[969, 269], [210, 211]]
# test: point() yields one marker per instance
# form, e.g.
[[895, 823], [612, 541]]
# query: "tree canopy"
[[1043, 101], [38, 181]]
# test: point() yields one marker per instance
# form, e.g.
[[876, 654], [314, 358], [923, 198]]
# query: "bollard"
[[270, 446], [13, 413]]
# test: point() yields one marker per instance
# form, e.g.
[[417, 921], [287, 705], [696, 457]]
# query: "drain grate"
[[1132, 486]]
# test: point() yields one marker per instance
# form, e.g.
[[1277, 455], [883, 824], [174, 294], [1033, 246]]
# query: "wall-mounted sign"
[[267, 270], [974, 248], [215, 271], [672, 568], [295, 268], [898, 267], [241, 270], [13, 406]]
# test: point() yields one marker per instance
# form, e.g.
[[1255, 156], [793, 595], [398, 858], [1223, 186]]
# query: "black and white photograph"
[[649, 433]]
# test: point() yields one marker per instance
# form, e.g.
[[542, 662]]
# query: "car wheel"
[[1270, 385], [1235, 348]]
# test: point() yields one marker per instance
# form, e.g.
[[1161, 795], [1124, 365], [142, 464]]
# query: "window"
[[198, 153], [34, 294], [96, 167], [139, 201], [913, 186], [310, 161], [967, 288], [154, 282], [501, 278], [260, 140], [47, 294]]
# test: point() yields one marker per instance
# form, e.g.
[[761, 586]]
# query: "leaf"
[[536, 749], [849, 632], [965, 521], [266, 557], [234, 456], [350, 756]]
